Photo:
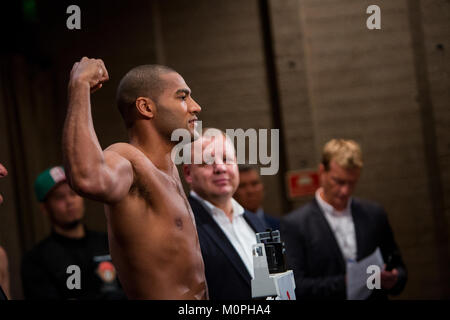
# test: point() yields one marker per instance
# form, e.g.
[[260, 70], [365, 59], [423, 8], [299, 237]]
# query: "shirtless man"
[[152, 234]]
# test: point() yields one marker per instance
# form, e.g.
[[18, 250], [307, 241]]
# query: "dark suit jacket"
[[271, 222], [2, 294], [314, 255], [226, 274]]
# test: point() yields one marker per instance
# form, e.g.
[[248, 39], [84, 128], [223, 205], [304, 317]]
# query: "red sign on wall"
[[302, 183]]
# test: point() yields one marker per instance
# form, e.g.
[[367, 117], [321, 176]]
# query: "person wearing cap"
[[69, 263]]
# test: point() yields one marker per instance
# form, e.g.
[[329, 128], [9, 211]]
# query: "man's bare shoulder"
[[122, 148], [133, 154], [125, 150]]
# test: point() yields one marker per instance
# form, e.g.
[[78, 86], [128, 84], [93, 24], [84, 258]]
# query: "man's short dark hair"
[[141, 81], [247, 168]]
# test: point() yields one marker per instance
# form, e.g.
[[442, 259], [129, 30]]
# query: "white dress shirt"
[[341, 222], [238, 231]]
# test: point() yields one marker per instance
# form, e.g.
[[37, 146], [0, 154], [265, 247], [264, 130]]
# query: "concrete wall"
[[367, 85]]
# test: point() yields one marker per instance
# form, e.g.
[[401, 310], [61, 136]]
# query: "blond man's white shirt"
[[341, 223]]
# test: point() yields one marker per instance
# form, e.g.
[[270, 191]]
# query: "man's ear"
[[187, 173], [321, 169], [44, 209], [146, 107]]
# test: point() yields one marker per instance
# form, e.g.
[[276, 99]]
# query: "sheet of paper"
[[357, 276]]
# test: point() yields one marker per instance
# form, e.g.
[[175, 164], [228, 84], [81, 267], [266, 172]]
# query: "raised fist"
[[92, 71]]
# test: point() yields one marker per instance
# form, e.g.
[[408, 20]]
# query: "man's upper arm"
[[326, 286], [291, 237], [119, 176], [295, 255]]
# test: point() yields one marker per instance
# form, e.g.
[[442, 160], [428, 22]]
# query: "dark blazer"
[[226, 274], [271, 222], [314, 255], [2, 294]]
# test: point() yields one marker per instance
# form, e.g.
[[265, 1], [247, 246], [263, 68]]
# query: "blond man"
[[335, 227]]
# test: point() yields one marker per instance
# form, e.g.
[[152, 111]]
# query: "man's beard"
[[68, 225]]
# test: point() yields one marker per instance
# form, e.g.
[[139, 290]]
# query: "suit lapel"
[[328, 233], [207, 223], [254, 222]]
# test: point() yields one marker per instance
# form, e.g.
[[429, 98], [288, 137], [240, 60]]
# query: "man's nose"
[[71, 199], [194, 107], [345, 190], [219, 168]]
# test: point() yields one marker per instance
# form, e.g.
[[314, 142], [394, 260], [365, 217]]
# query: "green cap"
[[47, 180]]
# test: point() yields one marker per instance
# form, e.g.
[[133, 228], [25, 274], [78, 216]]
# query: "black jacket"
[[226, 275], [44, 268], [2, 294], [314, 255]]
